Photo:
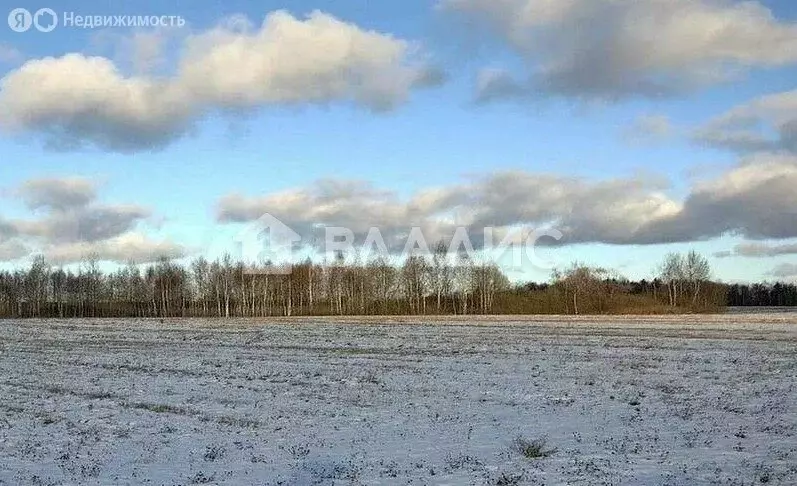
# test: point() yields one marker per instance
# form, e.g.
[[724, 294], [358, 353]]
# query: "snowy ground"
[[697, 400]]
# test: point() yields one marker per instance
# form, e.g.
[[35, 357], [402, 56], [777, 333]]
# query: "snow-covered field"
[[678, 400]]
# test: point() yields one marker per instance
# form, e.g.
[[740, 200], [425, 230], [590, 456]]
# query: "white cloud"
[[12, 250], [68, 211], [320, 59], [613, 49], [649, 128], [760, 250], [57, 194], [121, 249], [147, 50], [73, 225], [77, 100], [768, 123], [89, 224], [754, 199], [784, 270]]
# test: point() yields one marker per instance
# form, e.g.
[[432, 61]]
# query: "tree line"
[[418, 285], [776, 294]]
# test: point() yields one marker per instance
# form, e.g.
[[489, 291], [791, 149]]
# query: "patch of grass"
[[214, 452], [57, 390], [299, 451], [370, 377], [202, 478], [508, 479], [99, 395], [532, 449], [48, 419], [160, 408], [461, 461], [91, 470], [238, 422]]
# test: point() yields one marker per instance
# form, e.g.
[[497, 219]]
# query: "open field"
[[653, 400]]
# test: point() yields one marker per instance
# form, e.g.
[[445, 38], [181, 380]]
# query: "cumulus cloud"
[[129, 247], [753, 199], [756, 200], [609, 211], [73, 224], [768, 123], [7, 229], [147, 49], [89, 224], [12, 250], [320, 59], [649, 128], [496, 84], [615, 49], [57, 194], [77, 100], [759, 250], [784, 270], [70, 212], [10, 247], [355, 205]]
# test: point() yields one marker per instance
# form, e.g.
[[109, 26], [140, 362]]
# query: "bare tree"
[[487, 280], [580, 280], [384, 281], [36, 282], [442, 275], [200, 269], [92, 285], [673, 274], [463, 282], [697, 270], [415, 275]]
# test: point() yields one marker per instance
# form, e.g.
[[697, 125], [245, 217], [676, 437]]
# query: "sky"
[[633, 128]]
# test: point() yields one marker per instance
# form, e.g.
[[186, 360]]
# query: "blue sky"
[[442, 131]]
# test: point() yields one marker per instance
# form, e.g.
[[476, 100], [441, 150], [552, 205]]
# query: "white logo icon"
[[267, 240], [45, 20], [20, 20]]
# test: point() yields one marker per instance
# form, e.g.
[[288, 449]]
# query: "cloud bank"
[[784, 270], [617, 49], [71, 225], [754, 199], [76, 100], [759, 250], [768, 123]]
